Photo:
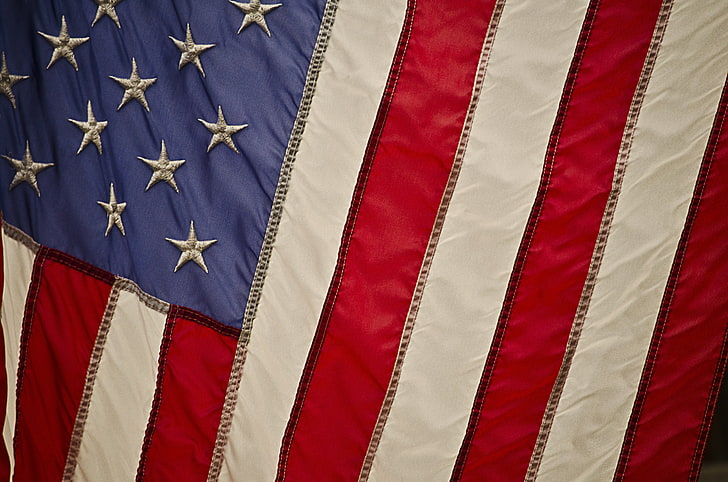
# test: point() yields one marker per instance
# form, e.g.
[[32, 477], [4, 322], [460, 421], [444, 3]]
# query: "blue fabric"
[[256, 79]]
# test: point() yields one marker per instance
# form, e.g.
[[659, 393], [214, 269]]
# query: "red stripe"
[[4, 458], [556, 248], [65, 308], [194, 370], [687, 356], [404, 174]]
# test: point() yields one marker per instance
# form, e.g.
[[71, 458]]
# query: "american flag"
[[374, 240]]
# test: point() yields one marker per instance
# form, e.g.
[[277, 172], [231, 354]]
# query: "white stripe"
[[123, 393], [352, 80], [17, 269], [670, 139], [489, 210]]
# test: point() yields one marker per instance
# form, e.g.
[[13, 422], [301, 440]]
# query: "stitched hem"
[[206, 321], [148, 300], [14, 233]]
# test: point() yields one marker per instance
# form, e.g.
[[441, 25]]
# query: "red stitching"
[[82, 266], [154, 413], [204, 320], [26, 330]]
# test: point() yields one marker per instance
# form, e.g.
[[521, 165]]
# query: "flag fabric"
[[381, 240]]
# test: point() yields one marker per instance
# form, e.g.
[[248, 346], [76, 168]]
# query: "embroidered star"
[[91, 130], [190, 51], [255, 13], [63, 45], [106, 7], [8, 80], [191, 249], [222, 132], [163, 169], [113, 211], [26, 169], [134, 87]]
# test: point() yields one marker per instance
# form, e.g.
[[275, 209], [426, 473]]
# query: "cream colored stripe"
[[17, 270], [488, 213], [350, 84], [123, 392], [671, 135], [92, 371]]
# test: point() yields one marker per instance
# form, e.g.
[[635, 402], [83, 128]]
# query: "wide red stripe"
[[195, 367], [687, 356], [400, 186], [556, 248], [65, 307]]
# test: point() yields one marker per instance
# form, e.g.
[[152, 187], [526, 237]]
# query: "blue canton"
[[187, 63]]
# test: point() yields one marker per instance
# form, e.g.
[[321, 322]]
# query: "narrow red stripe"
[[400, 186], [4, 458], [687, 356], [64, 310], [553, 259], [194, 370]]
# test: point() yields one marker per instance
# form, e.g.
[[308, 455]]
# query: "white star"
[[8, 80], [134, 86], [190, 51], [91, 130], [26, 169], [113, 210], [163, 169], [106, 7], [63, 45], [255, 13], [191, 249], [222, 132]]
